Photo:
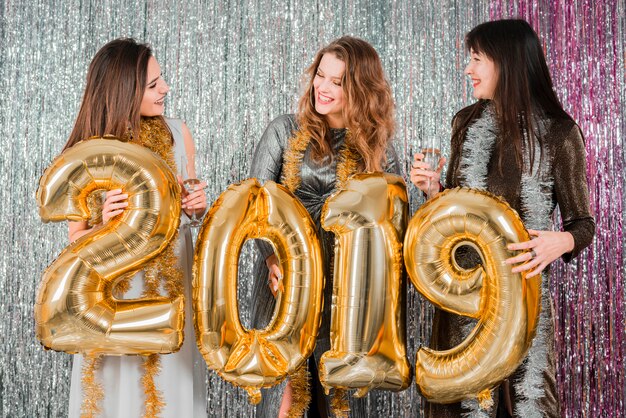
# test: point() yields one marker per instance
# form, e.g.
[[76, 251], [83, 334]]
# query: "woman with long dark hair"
[[124, 97], [517, 142], [345, 123]]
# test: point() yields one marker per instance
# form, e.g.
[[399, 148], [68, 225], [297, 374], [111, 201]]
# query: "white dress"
[[182, 379]]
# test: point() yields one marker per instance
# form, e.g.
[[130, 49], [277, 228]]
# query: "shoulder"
[[180, 131], [564, 132], [466, 111], [286, 122], [280, 130], [463, 117], [175, 124]]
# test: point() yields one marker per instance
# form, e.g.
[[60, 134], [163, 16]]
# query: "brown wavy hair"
[[369, 108], [116, 82]]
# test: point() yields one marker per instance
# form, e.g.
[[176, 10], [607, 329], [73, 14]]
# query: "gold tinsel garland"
[[92, 390], [163, 269], [301, 391], [154, 397], [339, 403], [348, 164]]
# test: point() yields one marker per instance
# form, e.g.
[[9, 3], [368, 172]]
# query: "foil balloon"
[[252, 358], [369, 217], [505, 305], [75, 309]]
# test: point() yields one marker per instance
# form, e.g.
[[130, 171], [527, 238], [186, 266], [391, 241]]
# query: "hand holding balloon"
[[114, 204], [545, 247], [274, 275], [76, 310]]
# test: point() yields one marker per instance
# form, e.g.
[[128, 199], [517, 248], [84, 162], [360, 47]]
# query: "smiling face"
[[327, 86], [482, 70], [153, 100]]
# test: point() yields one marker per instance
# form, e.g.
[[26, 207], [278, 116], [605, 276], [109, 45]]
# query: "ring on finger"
[[533, 254]]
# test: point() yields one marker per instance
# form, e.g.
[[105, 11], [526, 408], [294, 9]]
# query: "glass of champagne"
[[190, 183], [432, 156]]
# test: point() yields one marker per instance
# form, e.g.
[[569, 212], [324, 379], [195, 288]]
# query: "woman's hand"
[[421, 172], [545, 247], [274, 275], [114, 204], [194, 201]]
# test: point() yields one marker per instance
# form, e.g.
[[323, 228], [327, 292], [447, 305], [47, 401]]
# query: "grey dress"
[[318, 183]]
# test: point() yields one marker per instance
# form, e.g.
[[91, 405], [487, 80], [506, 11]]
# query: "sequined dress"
[[560, 178], [183, 374], [318, 183]]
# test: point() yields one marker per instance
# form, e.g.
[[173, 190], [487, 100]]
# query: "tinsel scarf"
[[536, 198], [163, 269], [347, 165]]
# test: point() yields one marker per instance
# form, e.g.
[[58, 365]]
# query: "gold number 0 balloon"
[[505, 304], [367, 352], [257, 358], [75, 310]]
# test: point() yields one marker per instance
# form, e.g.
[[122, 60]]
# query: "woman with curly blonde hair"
[[344, 125]]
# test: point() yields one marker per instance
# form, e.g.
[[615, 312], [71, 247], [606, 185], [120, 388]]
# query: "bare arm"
[[113, 205]]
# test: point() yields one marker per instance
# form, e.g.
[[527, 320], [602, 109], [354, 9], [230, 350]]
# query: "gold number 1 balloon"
[[505, 304], [257, 358], [367, 352], [75, 310]]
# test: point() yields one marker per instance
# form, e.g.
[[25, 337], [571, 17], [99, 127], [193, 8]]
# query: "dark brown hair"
[[523, 89], [369, 108], [116, 82]]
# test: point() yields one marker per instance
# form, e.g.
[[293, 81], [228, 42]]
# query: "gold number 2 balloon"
[[506, 305], [75, 310], [257, 358], [368, 351]]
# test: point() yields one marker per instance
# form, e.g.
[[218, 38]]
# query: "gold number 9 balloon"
[[506, 305], [75, 310], [257, 358], [367, 352]]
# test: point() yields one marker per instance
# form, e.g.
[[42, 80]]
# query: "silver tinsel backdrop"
[[235, 65]]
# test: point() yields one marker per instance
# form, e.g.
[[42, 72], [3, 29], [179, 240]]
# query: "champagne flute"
[[187, 165], [432, 157]]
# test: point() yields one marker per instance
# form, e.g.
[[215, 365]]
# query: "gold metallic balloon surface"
[[75, 310], [506, 305], [367, 334], [257, 358]]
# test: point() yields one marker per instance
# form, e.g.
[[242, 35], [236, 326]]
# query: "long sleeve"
[[268, 160], [268, 155], [572, 195], [393, 164]]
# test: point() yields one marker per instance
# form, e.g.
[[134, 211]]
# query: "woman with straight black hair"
[[516, 142]]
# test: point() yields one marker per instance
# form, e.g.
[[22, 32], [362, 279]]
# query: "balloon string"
[[93, 392], [301, 391]]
